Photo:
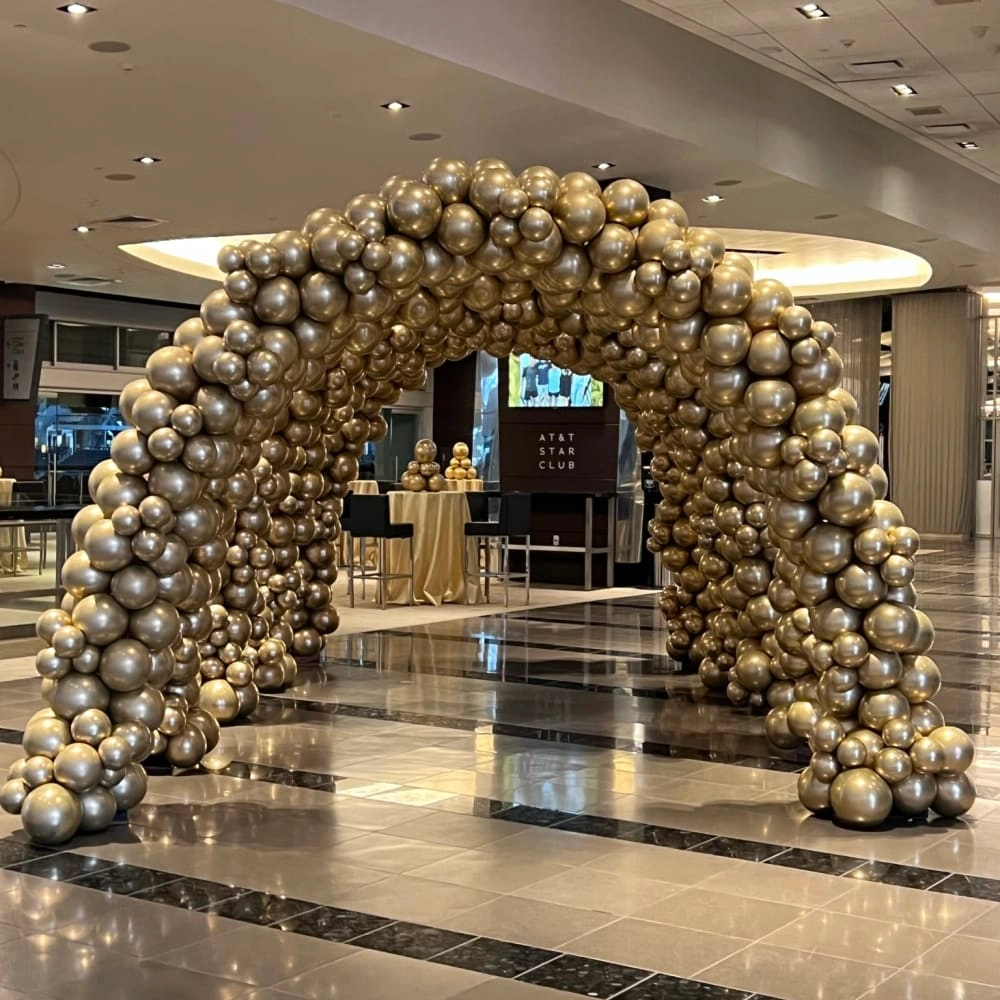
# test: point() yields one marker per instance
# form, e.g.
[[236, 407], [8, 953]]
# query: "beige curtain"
[[859, 331], [933, 415]]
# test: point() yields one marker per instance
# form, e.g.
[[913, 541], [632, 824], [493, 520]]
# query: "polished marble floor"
[[524, 805]]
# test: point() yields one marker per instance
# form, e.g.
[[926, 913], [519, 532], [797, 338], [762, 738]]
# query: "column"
[[934, 419], [859, 331]]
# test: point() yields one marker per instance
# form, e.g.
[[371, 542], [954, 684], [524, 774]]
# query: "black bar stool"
[[368, 517], [514, 522]]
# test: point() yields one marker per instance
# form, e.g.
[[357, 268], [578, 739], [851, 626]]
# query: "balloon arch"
[[206, 560]]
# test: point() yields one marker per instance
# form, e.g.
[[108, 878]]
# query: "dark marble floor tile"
[[600, 826], [123, 880], [587, 976], [665, 836], [332, 923], [303, 779], [816, 861], [247, 770], [734, 847], [905, 875], [260, 908], [495, 958], [411, 940], [190, 893], [16, 852], [663, 987], [63, 866], [970, 885], [533, 815]]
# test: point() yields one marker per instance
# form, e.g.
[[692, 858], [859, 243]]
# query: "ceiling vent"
[[85, 280], [762, 253], [876, 67], [130, 222], [951, 3], [926, 112], [951, 128]]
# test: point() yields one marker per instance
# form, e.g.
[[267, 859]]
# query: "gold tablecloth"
[[13, 544], [438, 521], [465, 485], [365, 487]]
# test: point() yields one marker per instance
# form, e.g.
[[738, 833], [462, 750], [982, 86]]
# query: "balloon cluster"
[[423, 473], [207, 557], [460, 464]]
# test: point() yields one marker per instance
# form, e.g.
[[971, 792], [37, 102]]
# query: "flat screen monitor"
[[540, 384]]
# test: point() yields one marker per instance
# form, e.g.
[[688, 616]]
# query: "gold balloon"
[[860, 797]]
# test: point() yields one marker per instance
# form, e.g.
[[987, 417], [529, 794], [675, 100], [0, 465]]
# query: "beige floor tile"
[[408, 796], [960, 957], [258, 956], [795, 975], [933, 911], [736, 916], [404, 897], [649, 945], [986, 925], [38, 905], [782, 885], [373, 975], [961, 855], [458, 830], [907, 985], [142, 929], [882, 942], [392, 854], [604, 892], [507, 989], [662, 863], [490, 870], [528, 921], [560, 846]]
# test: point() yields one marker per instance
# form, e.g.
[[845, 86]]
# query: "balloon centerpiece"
[[423, 473], [205, 561], [461, 473]]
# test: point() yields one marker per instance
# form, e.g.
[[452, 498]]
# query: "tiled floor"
[[506, 806]]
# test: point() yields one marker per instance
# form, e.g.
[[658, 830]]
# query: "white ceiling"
[[262, 111], [949, 51]]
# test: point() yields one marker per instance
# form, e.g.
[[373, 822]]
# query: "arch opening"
[[206, 561]]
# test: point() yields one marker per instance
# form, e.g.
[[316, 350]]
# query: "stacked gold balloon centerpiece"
[[461, 473], [423, 473], [206, 558]]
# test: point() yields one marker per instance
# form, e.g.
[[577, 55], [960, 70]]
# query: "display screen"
[[542, 384]]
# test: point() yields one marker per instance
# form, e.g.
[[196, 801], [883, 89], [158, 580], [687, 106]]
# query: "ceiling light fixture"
[[147, 160], [903, 90], [812, 11], [603, 165], [82, 229], [56, 267], [395, 106], [77, 8], [713, 198], [968, 144]]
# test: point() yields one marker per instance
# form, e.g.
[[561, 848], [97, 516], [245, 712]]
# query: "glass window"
[[77, 344], [395, 450], [73, 432], [135, 346]]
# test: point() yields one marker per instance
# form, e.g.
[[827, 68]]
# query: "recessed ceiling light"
[[147, 160], [713, 198], [812, 11], [903, 90], [968, 144], [395, 106], [425, 136], [603, 165], [82, 229], [77, 8], [56, 267]]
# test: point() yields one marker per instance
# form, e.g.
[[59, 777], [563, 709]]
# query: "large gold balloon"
[[860, 797]]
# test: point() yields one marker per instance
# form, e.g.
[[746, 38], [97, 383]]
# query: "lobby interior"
[[473, 800]]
